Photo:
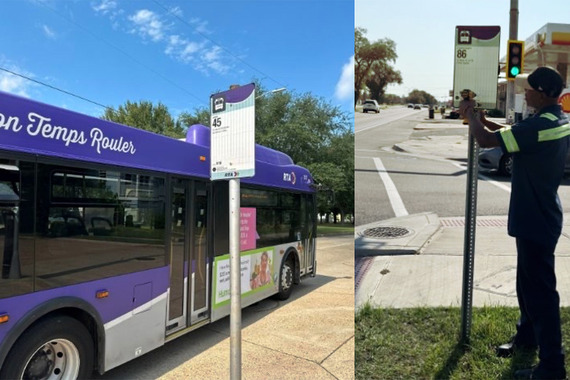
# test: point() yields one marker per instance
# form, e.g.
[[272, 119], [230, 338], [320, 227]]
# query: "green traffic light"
[[515, 71]]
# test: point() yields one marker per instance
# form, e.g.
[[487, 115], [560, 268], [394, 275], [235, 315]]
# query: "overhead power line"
[[124, 53], [55, 88], [170, 12], [216, 43]]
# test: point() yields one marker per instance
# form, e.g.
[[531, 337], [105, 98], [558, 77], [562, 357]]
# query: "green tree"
[[381, 75], [421, 97], [366, 55], [335, 175], [315, 135], [392, 99], [301, 126], [145, 115], [200, 116]]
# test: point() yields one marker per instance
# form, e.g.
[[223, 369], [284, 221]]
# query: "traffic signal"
[[515, 58]]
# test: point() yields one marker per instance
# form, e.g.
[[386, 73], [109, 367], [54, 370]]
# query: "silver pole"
[[235, 282], [469, 240], [513, 33]]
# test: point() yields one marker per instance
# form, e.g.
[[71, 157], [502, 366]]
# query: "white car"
[[370, 105]]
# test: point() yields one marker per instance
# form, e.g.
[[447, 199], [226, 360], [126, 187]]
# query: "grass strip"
[[423, 343], [335, 229]]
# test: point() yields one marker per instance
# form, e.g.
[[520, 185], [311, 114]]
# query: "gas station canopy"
[[549, 46]]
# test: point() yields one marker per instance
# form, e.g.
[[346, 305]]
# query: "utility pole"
[[513, 35]]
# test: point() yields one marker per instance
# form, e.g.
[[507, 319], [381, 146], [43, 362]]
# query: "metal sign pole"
[[469, 241], [232, 156], [235, 282], [476, 62]]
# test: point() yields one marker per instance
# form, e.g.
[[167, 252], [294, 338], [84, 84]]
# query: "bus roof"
[[32, 127]]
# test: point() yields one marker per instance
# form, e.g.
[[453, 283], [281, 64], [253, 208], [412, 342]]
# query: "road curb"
[[397, 148]]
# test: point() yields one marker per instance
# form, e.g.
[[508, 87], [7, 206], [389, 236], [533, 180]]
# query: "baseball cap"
[[543, 79]]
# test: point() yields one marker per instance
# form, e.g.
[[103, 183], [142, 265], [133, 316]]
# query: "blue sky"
[[175, 52], [424, 32]]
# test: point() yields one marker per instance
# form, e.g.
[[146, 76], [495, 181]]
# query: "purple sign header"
[[466, 33]]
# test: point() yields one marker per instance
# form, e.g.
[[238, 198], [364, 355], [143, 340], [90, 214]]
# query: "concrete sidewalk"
[[425, 268]]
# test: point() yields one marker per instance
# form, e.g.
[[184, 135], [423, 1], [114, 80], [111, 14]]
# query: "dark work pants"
[[539, 302]]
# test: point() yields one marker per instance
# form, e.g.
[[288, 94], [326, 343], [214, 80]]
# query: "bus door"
[[179, 247], [310, 240], [200, 269], [189, 262]]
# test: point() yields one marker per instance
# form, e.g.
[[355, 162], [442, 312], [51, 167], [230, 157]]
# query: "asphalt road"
[[427, 182], [309, 336]]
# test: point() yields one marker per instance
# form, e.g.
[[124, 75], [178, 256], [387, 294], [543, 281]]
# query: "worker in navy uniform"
[[539, 146]]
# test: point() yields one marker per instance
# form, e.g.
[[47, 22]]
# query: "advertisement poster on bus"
[[257, 272], [247, 228]]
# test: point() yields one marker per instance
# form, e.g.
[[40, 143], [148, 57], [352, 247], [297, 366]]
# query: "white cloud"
[[105, 6], [182, 49], [200, 25], [14, 84], [213, 60], [191, 48], [176, 11], [213, 54], [48, 32], [345, 86], [148, 24], [202, 54]]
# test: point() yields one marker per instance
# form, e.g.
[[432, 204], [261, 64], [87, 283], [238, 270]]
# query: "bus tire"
[[286, 279], [59, 347]]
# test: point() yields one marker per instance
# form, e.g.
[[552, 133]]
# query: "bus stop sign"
[[232, 132], [477, 63]]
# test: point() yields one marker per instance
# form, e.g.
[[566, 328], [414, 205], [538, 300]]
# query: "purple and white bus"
[[114, 240]]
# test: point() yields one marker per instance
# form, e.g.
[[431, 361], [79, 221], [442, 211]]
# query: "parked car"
[[417, 107], [410, 105], [491, 159], [370, 105], [453, 114], [494, 159]]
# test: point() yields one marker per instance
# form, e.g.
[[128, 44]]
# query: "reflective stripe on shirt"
[[549, 116], [509, 140], [554, 133], [544, 135]]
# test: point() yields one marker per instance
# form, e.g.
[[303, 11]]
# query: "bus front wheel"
[[59, 347], [286, 279]]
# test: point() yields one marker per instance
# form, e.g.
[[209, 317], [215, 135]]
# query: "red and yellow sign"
[[560, 38], [564, 101]]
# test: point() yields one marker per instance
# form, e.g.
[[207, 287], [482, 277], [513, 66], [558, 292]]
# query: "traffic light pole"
[[513, 33]]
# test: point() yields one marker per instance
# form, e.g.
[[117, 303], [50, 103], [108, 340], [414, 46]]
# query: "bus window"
[[9, 184], [9, 201], [97, 223], [14, 246], [221, 218], [278, 218]]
